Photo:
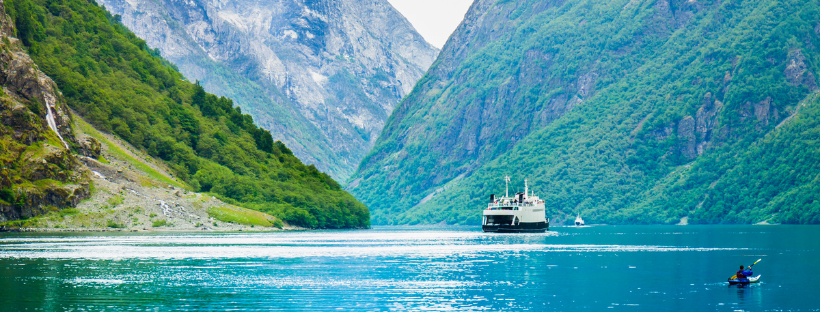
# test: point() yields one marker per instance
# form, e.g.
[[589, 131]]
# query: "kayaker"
[[743, 274]]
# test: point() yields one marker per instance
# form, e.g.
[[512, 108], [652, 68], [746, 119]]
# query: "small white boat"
[[579, 221]]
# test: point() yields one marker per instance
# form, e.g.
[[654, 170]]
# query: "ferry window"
[[498, 220]]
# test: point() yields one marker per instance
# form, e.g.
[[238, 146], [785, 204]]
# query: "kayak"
[[754, 279]]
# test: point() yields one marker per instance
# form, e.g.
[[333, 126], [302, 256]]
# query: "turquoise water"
[[619, 268]]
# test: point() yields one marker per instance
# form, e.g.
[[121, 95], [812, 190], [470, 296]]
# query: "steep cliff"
[[626, 111], [39, 172], [322, 76]]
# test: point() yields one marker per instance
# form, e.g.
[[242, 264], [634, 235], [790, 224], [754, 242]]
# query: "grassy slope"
[[117, 150], [596, 159]]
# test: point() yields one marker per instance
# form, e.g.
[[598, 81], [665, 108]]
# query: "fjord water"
[[627, 268]]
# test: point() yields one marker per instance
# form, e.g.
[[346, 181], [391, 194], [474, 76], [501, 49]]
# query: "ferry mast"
[[506, 186]]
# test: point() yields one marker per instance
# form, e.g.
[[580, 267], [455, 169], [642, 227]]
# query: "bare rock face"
[[89, 147], [37, 167], [762, 110], [27, 84], [322, 76], [707, 122], [797, 71], [38, 201], [699, 133], [686, 135]]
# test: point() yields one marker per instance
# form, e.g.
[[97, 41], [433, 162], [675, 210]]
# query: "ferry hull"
[[523, 227]]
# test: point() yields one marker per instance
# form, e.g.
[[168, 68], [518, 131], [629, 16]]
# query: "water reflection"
[[748, 294]]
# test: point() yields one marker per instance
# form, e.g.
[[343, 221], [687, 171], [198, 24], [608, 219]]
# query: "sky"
[[435, 20]]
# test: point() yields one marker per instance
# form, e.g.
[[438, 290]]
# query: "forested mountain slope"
[[626, 111], [322, 76], [112, 78]]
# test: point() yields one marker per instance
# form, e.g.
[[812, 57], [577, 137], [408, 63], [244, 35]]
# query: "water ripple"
[[426, 244]]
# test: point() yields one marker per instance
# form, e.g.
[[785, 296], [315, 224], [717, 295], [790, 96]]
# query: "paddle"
[[753, 264]]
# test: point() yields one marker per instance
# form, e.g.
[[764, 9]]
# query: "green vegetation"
[[67, 212], [241, 216], [115, 200], [278, 223], [23, 223], [159, 223], [121, 86], [114, 225], [7, 197], [616, 149]]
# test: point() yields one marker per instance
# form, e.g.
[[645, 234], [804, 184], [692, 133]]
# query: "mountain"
[[322, 76], [627, 111], [111, 78]]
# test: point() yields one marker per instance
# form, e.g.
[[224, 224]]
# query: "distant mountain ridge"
[[322, 76], [625, 111]]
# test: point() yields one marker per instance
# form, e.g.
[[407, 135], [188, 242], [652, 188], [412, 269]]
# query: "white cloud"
[[435, 20], [292, 34]]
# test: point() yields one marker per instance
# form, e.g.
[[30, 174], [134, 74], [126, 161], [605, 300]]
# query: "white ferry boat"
[[523, 212], [579, 221]]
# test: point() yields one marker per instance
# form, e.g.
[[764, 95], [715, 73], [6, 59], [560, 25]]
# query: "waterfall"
[[50, 103]]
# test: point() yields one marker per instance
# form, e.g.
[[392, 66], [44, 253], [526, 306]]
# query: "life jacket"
[[740, 275]]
